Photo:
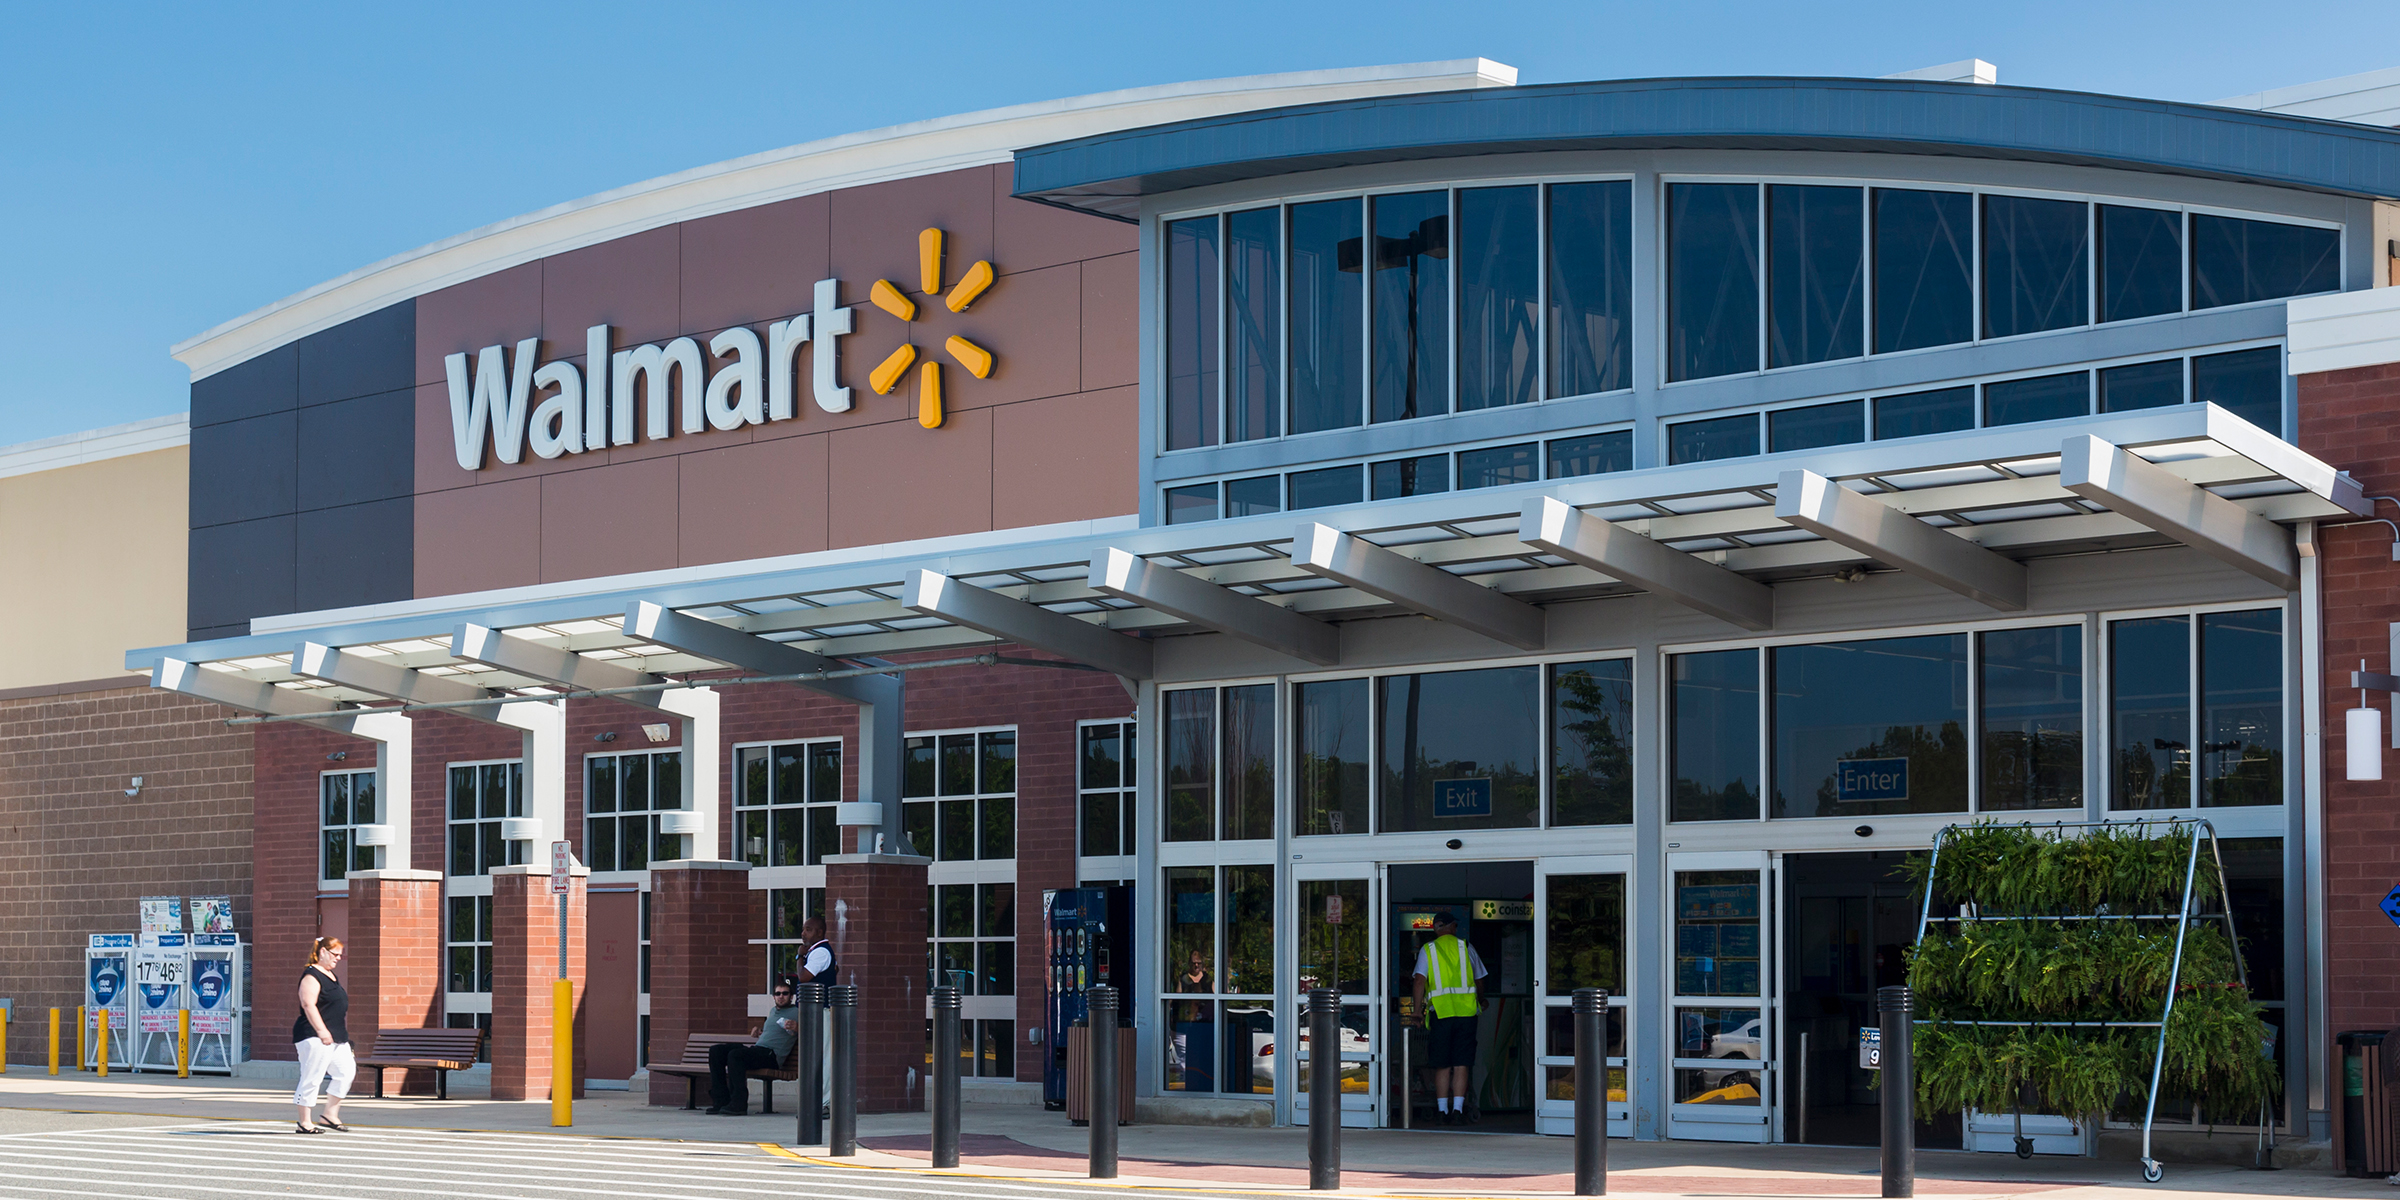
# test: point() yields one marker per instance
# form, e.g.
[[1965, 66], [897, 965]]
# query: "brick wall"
[[394, 962], [698, 983], [524, 973], [877, 919], [79, 853]]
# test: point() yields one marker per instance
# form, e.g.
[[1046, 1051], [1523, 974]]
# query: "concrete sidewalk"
[[1026, 1142]]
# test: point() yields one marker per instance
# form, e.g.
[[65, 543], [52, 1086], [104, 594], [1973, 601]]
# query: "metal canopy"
[[1999, 490]]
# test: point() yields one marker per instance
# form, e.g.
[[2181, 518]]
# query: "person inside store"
[[730, 1063], [1450, 974], [321, 1035]]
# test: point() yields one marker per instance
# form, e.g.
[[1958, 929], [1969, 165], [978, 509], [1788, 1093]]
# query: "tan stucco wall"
[[91, 565]]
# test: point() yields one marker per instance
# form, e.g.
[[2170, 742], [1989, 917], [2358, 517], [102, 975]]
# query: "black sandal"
[[299, 1128], [335, 1126]]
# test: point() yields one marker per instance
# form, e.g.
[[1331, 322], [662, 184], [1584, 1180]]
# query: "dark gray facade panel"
[[269, 383], [1106, 173], [359, 554], [360, 357], [243, 470], [239, 571], [353, 451]]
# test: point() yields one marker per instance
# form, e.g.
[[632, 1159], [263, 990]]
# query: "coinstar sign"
[[108, 988]]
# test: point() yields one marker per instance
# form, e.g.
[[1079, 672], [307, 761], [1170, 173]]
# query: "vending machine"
[[1088, 941], [108, 988]]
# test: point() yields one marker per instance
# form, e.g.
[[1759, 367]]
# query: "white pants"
[[317, 1061]]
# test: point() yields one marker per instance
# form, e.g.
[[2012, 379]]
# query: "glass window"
[[1591, 287], [1105, 780], [1332, 736], [2042, 398], [1816, 274], [2141, 262], [1191, 929], [1717, 946], [1188, 504], [2031, 711], [347, 801], [1330, 486], [469, 939], [1707, 441], [1870, 728], [2035, 266], [1924, 277], [1943, 410], [1249, 775], [784, 799], [1817, 425], [1250, 931], [1591, 743], [787, 910], [1712, 279], [1412, 305], [1192, 350], [1493, 466], [1475, 766], [2246, 383], [2141, 385], [2254, 888], [1253, 324], [1328, 315], [1597, 454], [1587, 935], [1191, 765], [2241, 708], [1333, 950], [1713, 732], [1420, 476], [643, 785], [1499, 288], [481, 796], [2150, 706], [2236, 261], [1253, 496]]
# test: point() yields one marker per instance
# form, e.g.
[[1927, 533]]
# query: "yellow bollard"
[[183, 1044], [102, 1057], [83, 1023], [562, 1052], [54, 1041], [3, 1041]]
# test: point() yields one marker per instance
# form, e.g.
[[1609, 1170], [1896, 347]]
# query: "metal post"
[[1324, 1090], [945, 1076], [845, 1072], [1100, 1096], [1800, 1089], [562, 1049], [54, 1041], [83, 1051], [103, 1042], [183, 1043], [1591, 1091], [1899, 1091], [811, 1063]]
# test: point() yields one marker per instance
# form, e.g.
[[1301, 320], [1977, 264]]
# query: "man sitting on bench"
[[730, 1063]]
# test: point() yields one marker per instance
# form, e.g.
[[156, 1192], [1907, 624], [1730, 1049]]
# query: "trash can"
[[2365, 1096], [1079, 1073]]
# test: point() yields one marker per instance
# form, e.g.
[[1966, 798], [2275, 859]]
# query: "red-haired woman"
[[322, 1037]]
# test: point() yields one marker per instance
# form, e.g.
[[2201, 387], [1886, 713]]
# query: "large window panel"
[[2042, 398], [2035, 264], [1195, 503], [2031, 711], [1870, 728], [1943, 410], [1591, 743], [2241, 708], [1332, 756], [1191, 765], [1192, 344], [1499, 297], [2246, 383], [2237, 262], [1191, 959], [1412, 306], [2150, 705], [1713, 734], [1423, 475], [1837, 424], [1710, 440], [1460, 750], [1712, 279], [1327, 487], [2141, 385], [1924, 270], [1253, 324], [1587, 935], [1816, 273], [1494, 466], [2141, 262], [1328, 316], [1250, 930], [1590, 314], [1595, 454], [1249, 807], [1254, 496]]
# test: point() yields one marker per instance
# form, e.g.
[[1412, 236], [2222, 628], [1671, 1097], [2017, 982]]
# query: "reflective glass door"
[[1338, 946], [1579, 931], [1720, 1031]]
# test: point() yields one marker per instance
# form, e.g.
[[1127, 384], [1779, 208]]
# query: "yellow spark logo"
[[888, 297]]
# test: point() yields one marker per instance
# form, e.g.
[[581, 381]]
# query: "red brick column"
[[875, 904], [524, 965], [394, 962], [700, 959]]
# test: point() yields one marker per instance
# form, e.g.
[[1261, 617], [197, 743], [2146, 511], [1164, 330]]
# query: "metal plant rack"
[[2151, 1170]]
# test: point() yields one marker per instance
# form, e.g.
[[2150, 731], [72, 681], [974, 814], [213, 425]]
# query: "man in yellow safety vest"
[[1451, 973]]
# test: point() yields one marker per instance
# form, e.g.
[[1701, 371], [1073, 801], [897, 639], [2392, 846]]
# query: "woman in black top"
[[322, 1037]]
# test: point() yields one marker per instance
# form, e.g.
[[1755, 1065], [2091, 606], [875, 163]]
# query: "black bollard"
[[945, 1076], [1591, 1091], [810, 1059], [1324, 1090], [845, 1072], [1899, 1091], [1100, 1094]]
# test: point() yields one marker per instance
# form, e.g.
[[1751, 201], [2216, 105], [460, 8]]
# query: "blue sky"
[[166, 168]]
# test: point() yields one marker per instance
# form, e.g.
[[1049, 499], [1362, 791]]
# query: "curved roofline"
[[1109, 173], [848, 160]]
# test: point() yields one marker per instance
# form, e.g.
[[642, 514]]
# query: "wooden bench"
[[693, 1067], [440, 1051]]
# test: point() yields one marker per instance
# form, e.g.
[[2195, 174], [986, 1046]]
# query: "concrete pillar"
[[394, 964], [524, 965], [700, 959], [876, 908]]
